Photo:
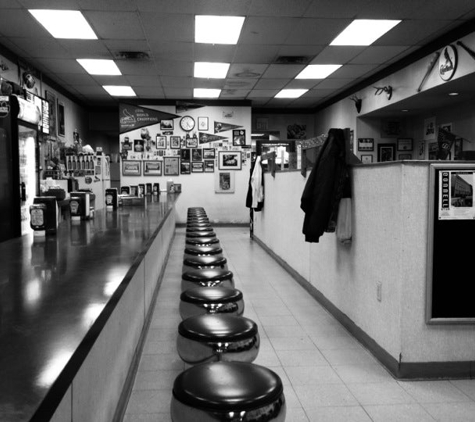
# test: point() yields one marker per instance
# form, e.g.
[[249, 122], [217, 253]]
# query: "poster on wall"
[[456, 195], [61, 124], [429, 129], [224, 182]]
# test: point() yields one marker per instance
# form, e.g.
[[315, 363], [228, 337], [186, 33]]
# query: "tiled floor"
[[327, 375]]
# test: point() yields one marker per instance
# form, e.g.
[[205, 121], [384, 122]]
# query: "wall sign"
[[448, 63]]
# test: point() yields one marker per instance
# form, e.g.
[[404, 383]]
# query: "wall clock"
[[187, 123]]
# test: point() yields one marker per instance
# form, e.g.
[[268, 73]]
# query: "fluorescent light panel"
[[317, 71], [99, 66], [206, 93], [119, 90], [69, 24], [364, 31], [291, 93], [211, 70], [218, 29]]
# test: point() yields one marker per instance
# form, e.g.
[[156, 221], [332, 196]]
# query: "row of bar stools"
[[223, 384]]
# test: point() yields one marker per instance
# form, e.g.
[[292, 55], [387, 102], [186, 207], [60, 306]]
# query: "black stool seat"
[[198, 224], [207, 278], [217, 337], [204, 262], [211, 391], [211, 300], [208, 233], [201, 241], [203, 250], [194, 229]]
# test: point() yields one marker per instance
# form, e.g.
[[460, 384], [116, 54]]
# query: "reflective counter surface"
[[52, 291]]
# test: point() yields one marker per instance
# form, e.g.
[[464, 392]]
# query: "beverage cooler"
[[19, 167]]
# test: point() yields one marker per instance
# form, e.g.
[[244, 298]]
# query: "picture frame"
[[185, 154], [386, 152], [209, 153], [139, 145], [366, 158], [175, 142], [239, 137], [51, 98], [229, 160], [161, 142], [61, 123], [192, 142], [171, 166], [197, 154], [405, 144], [404, 157], [152, 168], [166, 124], [185, 167], [365, 144], [203, 123], [131, 168], [197, 167], [224, 182], [209, 166]]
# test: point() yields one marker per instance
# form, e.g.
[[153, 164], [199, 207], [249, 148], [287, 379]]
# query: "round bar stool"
[[206, 278], [192, 251], [218, 337], [193, 229], [211, 300], [195, 209], [209, 262], [208, 233], [228, 391], [198, 224], [202, 241]]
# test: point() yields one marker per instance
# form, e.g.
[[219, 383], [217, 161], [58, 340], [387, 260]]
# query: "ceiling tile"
[[234, 93], [213, 53], [271, 84], [115, 46], [208, 83], [353, 70], [10, 4], [174, 82], [321, 93], [136, 67], [178, 51], [333, 83], [106, 5], [378, 54], [335, 8], [63, 66], [316, 31], [244, 84], [266, 30], [279, 7], [301, 50], [221, 7], [283, 71], [47, 48], [246, 70], [115, 25], [257, 54], [141, 80], [301, 83], [90, 49], [149, 92], [411, 32], [172, 68], [21, 23], [168, 27], [77, 79], [263, 93], [337, 54], [177, 93]]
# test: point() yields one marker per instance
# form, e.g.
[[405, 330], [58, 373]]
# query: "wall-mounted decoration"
[[224, 182], [448, 63], [404, 157], [239, 137], [161, 142], [191, 142], [197, 167], [139, 145], [365, 144], [297, 131], [185, 154], [405, 144], [223, 127], [203, 123], [358, 103], [446, 126], [166, 124], [152, 168], [175, 142], [229, 160], [196, 154], [131, 168], [431, 65], [134, 117], [209, 166], [51, 98], [429, 129], [387, 89], [366, 158], [185, 167], [391, 128], [206, 138], [386, 152], [61, 123], [262, 123], [209, 153], [171, 166], [187, 123]]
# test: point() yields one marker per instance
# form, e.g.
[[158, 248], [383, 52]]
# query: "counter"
[[72, 310]]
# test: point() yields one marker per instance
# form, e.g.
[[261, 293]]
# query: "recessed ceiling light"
[[211, 70], [218, 29], [119, 90], [318, 71], [206, 93], [64, 23], [405, 110], [364, 31], [453, 94], [291, 93], [99, 66]]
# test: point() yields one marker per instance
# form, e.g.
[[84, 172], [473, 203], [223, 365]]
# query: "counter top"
[[56, 294]]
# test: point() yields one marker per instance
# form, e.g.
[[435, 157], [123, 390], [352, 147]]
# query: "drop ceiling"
[[279, 38]]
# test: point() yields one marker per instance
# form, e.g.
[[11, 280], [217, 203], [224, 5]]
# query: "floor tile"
[[451, 412], [324, 395], [315, 375], [380, 393], [434, 392], [399, 413], [339, 414], [362, 373]]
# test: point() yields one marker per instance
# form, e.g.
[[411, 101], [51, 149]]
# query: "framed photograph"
[[61, 124], [185, 154], [131, 168], [229, 160], [197, 154], [209, 154], [197, 167], [365, 144], [152, 168], [166, 124], [224, 182], [405, 144], [51, 98], [366, 158], [185, 167], [171, 166], [139, 145], [386, 152], [202, 123], [404, 157], [209, 166], [175, 142], [192, 142], [239, 137], [161, 142]]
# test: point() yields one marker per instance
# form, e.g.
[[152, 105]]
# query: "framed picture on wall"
[[224, 182], [366, 158], [61, 123], [209, 154], [131, 168], [166, 124], [239, 137], [202, 123], [209, 166], [185, 167], [197, 167], [365, 144], [175, 142], [185, 154], [404, 157], [152, 168], [405, 144], [386, 152], [51, 98], [171, 166], [161, 142], [229, 160], [197, 154]]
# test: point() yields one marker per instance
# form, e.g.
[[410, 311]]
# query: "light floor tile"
[[324, 395], [467, 386], [339, 414], [399, 413], [380, 393], [434, 392], [351, 374], [290, 358], [310, 376], [452, 412]]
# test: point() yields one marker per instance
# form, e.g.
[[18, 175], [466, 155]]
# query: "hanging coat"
[[255, 193], [324, 187]]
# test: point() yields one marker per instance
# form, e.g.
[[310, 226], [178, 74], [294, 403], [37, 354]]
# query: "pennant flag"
[[207, 138], [135, 117], [223, 127], [445, 140], [183, 106]]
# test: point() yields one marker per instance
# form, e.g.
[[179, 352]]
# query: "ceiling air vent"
[[132, 55], [292, 60]]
